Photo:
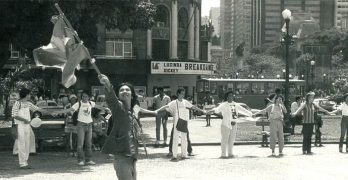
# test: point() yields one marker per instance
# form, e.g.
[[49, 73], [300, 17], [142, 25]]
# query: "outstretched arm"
[[263, 110], [198, 109], [322, 109], [299, 109], [145, 111]]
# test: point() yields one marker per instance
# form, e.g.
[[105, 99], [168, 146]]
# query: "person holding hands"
[[275, 116], [307, 109], [180, 110], [229, 111]]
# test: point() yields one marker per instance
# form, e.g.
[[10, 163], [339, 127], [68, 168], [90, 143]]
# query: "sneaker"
[[157, 143], [191, 154], [185, 157], [231, 156], [310, 153], [304, 152], [223, 157], [81, 163], [273, 154], [340, 149], [90, 163], [25, 167], [281, 154], [170, 154], [174, 159]]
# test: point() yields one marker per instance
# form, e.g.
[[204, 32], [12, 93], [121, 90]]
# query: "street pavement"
[[251, 162]]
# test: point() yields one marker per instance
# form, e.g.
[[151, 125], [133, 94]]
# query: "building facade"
[[214, 15], [173, 54]]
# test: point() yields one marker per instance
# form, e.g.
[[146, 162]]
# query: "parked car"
[[325, 104], [48, 105]]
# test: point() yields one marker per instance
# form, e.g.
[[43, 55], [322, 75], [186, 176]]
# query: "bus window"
[[258, 88], [206, 86], [230, 87], [243, 88], [200, 86], [213, 87]]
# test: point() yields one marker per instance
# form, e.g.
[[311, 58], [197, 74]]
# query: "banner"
[[174, 67]]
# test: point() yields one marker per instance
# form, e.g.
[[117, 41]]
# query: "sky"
[[207, 4]]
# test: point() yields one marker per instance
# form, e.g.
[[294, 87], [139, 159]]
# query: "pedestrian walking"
[[308, 108], [21, 114], [122, 141], [159, 101], [229, 110], [208, 101], [276, 118], [343, 109], [84, 127], [180, 110]]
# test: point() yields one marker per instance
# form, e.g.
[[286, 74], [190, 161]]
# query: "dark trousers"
[[317, 136], [207, 118], [189, 146], [344, 127], [161, 118], [307, 137], [125, 168]]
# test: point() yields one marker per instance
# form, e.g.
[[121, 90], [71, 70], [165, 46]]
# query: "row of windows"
[[121, 48], [244, 88]]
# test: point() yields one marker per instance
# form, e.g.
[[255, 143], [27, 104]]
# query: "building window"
[[162, 16], [121, 48]]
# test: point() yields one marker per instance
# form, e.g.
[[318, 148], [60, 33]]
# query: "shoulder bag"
[[181, 125]]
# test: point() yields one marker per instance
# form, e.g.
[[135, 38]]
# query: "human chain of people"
[[124, 125]]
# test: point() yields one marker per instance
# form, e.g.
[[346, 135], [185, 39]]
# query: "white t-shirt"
[[344, 108], [230, 112], [22, 109], [184, 111], [136, 110], [85, 113]]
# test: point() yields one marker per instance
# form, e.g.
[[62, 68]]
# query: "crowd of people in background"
[[116, 129]]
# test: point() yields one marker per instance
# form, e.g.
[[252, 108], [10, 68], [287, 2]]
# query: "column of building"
[[174, 31], [197, 28], [191, 35], [149, 43]]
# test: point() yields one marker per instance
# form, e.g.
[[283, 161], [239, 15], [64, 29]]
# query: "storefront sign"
[[167, 67]]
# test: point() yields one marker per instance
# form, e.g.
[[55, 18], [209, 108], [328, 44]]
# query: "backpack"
[[76, 114]]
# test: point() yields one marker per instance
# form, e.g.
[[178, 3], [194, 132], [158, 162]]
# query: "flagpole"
[[77, 37]]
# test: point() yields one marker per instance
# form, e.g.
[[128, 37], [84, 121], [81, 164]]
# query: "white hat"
[[72, 96]]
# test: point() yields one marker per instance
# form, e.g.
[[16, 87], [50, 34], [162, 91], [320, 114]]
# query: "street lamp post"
[[324, 81], [284, 71], [312, 71], [287, 42]]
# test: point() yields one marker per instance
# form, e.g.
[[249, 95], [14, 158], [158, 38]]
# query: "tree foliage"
[[268, 66], [26, 24]]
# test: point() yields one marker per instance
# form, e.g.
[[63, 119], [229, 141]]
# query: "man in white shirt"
[[159, 101], [179, 108], [229, 111]]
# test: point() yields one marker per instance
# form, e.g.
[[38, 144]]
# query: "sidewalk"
[[251, 162]]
